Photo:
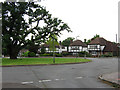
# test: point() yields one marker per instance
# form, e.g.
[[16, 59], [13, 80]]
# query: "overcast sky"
[[86, 18]]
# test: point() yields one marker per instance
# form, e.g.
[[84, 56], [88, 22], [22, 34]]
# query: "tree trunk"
[[13, 56], [67, 48], [14, 53]]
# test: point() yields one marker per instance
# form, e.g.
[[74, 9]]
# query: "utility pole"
[[116, 38]]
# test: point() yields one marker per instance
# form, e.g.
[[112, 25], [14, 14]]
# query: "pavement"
[[112, 78], [83, 75]]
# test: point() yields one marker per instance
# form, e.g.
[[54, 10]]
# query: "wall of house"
[[58, 50], [102, 47], [95, 47], [85, 49], [95, 50], [77, 49]]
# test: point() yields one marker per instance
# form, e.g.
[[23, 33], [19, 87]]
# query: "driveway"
[[60, 76]]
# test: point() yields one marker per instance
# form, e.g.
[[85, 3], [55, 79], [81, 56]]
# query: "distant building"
[[100, 46], [58, 48], [77, 46]]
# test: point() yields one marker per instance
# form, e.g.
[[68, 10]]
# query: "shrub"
[[107, 55], [25, 54], [31, 54], [66, 53], [45, 54], [88, 55], [84, 53], [58, 55], [43, 50]]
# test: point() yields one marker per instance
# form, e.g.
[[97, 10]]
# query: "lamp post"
[[76, 46]]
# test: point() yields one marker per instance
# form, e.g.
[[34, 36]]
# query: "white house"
[[100, 46], [77, 46], [58, 48]]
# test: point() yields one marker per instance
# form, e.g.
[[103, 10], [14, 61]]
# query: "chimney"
[[85, 40]]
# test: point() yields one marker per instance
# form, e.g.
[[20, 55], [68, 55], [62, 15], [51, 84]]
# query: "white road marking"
[[45, 80], [78, 77], [27, 82], [40, 81], [57, 79]]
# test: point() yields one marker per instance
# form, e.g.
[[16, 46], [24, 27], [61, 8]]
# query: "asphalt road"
[[60, 76]]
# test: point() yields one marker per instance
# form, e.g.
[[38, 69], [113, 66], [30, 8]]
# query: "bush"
[[107, 55], [58, 55], [31, 54], [66, 53], [84, 53], [88, 55], [43, 50], [25, 54], [45, 54]]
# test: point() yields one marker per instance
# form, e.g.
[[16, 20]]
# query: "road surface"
[[60, 76]]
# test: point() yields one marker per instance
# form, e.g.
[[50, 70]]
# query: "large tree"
[[26, 22]]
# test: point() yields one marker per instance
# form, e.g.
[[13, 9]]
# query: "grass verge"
[[35, 61]]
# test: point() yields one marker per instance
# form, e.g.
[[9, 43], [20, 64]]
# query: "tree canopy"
[[88, 41], [52, 40], [26, 22], [67, 42]]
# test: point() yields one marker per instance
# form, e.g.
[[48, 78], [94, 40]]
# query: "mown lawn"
[[34, 61]]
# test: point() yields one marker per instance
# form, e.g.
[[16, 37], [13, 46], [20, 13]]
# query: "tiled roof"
[[78, 43], [99, 41], [109, 46]]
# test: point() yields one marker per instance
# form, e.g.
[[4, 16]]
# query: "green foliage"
[[15, 28], [31, 54], [66, 53], [95, 37], [67, 41], [4, 51], [107, 55], [45, 54], [88, 41], [32, 47], [84, 53], [51, 54], [43, 50], [50, 42], [25, 54], [58, 55]]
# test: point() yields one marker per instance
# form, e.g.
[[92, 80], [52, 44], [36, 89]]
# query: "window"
[[93, 46], [94, 53], [75, 48]]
